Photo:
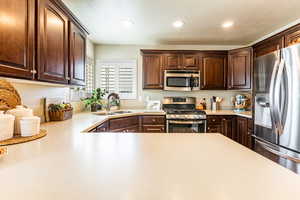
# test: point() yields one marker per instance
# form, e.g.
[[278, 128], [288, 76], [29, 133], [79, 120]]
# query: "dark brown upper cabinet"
[[268, 46], [153, 71], [52, 43], [190, 61], [239, 68], [292, 36], [213, 67], [181, 61], [172, 61], [17, 38], [77, 55]]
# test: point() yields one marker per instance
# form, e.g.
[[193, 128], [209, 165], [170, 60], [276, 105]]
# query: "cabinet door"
[[52, 43], [268, 46], [242, 135], [102, 127], [152, 71], [292, 36], [17, 38], [190, 61], [239, 68], [172, 61], [123, 123], [77, 55], [213, 72], [228, 127]]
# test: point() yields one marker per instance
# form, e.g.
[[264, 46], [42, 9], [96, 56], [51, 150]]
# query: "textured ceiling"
[[203, 19]]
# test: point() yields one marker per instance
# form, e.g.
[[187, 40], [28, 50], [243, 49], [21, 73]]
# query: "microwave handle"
[[191, 82]]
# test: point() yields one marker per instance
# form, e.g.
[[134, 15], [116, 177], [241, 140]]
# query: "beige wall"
[[125, 52]]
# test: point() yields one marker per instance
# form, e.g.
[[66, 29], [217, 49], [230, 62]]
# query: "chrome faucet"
[[113, 99]]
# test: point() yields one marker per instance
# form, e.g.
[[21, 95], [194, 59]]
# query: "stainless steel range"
[[182, 116]]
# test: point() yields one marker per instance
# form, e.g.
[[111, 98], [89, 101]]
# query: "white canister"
[[6, 126], [30, 126], [19, 112]]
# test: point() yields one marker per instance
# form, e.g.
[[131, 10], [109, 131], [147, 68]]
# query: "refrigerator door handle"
[[278, 153], [277, 104], [274, 116]]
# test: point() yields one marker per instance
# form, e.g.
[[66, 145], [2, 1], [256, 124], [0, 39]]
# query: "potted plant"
[[60, 112], [95, 101]]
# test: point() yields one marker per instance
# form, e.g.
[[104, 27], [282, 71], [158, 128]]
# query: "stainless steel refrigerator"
[[277, 106]]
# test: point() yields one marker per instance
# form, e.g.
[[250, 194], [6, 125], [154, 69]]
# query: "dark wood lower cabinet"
[[244, 131], [238, 129], [134, 124], [225, 125]]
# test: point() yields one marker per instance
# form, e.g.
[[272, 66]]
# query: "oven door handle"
[[185, 122]]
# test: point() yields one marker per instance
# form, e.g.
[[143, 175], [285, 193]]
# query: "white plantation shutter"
[[119, 77], [89, 75]]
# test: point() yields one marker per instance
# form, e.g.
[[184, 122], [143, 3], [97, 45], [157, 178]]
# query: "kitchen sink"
[[119, 112], [112, 112]]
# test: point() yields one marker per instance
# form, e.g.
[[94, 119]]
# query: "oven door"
[[186, 126]]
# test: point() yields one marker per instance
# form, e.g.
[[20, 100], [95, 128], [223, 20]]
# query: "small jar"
[[19, 112], [6, 126], [29, 126]]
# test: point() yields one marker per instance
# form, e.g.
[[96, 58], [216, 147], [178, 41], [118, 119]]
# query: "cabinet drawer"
[[123, 122], [154, 120], [153, 129], [214, 120]]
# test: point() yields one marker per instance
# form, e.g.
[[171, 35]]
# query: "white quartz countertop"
[[68, 164], [247, 114]]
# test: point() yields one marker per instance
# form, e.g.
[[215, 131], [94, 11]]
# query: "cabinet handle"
[[153, 120], [213, 120], [33, 71]]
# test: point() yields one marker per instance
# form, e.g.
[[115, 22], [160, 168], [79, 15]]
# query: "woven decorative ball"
[[9, 97]]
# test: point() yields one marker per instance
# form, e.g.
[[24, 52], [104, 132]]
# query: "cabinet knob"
[[33, 71], [153, 120]]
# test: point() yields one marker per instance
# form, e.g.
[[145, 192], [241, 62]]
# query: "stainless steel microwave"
[[182, 80]]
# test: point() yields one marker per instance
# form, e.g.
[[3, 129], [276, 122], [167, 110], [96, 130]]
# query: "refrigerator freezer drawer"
[[279, 155]]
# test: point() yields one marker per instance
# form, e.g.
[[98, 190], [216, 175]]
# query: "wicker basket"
[[61, 115]]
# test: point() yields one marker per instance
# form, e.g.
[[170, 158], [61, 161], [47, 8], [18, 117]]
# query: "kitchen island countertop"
[[68, 164]]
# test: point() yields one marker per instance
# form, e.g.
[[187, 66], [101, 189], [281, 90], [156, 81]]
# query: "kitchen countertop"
[[98, 119], [67, 164], [247, 114]]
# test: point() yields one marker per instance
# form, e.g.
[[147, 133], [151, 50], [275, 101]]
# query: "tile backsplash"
[[226, 104]]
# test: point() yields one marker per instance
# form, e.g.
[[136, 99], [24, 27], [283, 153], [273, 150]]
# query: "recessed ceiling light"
[[178, 24], [127, 23], [227, 24]]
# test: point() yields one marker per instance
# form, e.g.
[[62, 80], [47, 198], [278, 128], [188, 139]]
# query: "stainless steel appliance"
[[182, 80], [182, 116], [277, 106]]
